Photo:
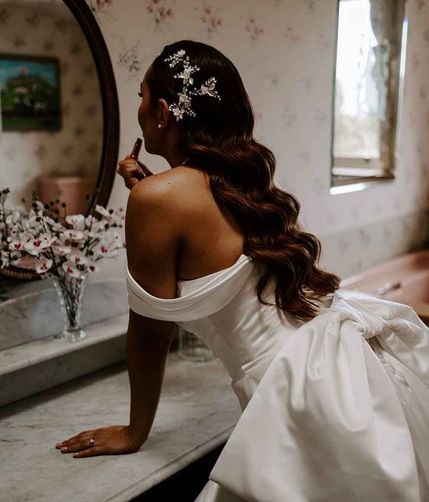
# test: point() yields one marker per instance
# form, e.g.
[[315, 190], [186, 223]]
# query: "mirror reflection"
[[51, 108]]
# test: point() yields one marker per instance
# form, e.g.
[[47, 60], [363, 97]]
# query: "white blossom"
[[73, 235], [102, 249], [16, 245], [92, 267], [55, 226], [43, 265], [78, 259], [77, 221], [61, 249], [102, 210], [71, 269], [36, 245], [54, 247]]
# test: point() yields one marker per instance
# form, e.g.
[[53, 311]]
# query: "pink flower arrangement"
[[55, 246]]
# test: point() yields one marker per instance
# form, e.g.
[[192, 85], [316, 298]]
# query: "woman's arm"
[[154, 232], [153, 236], [147, 344]]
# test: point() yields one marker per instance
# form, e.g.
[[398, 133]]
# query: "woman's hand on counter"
[[113, 440]]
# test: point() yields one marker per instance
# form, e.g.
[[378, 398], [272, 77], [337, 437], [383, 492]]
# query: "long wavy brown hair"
[[219, 141]]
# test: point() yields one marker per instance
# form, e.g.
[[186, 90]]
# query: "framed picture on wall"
[[29, 93]]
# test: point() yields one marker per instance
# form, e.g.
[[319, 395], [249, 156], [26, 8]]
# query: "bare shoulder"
[[159, 214], [178, 192], [167, 201], [178, 182]]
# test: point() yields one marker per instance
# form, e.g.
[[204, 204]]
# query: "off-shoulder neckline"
[[186, 281]]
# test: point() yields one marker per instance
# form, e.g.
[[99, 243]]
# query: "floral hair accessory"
[[185, 100]]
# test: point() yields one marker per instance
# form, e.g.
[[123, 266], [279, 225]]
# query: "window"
[[370, 62]]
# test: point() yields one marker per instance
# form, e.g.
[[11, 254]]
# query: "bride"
[[334, 385]]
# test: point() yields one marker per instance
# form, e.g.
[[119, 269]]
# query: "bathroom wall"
[[284, 50], [34, 29]]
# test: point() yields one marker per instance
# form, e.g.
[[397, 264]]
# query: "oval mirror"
[[57, 89]]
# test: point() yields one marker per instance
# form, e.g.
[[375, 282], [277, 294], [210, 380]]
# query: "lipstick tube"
[[136, 149]]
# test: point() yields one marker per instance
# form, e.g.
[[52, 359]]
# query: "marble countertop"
[[197, 412], [46, 348]]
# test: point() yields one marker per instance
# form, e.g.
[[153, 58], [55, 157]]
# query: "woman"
[[334, 386]]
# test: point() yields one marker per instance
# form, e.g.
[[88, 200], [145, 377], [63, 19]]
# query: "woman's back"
[[213, 241]]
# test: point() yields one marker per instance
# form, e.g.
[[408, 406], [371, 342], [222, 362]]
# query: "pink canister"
[[69, 189]]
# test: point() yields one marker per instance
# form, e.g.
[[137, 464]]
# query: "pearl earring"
[[159, 126]]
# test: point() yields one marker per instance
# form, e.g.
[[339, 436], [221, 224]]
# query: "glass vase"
[[70, 293], [191, 348]]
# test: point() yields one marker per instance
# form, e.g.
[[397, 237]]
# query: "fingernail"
[[64, 448]]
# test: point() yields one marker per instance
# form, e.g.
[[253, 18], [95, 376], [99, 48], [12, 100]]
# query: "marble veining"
[[36, 378], [37, 351], [196, 413], [38, 365], [37, 314]]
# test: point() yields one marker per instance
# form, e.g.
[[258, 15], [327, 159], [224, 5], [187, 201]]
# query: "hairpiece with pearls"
[[185, 100]]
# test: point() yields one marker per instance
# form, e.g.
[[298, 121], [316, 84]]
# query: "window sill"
[[347, 184]]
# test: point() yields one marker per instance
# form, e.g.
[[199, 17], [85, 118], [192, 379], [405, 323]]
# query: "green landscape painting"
[[29, 93]]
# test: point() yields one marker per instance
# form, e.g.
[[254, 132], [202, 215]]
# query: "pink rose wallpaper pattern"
[[77, 145], [284, 51]]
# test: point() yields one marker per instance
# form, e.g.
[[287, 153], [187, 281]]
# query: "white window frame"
[[364, 171]]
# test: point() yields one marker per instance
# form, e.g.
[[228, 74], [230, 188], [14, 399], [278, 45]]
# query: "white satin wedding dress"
[[325, 416]]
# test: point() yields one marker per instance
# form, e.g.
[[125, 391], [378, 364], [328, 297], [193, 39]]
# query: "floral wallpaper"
[[26, 28], [284, 51]]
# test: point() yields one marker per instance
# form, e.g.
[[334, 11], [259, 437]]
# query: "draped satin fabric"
[[328, 416], [203, 301]]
